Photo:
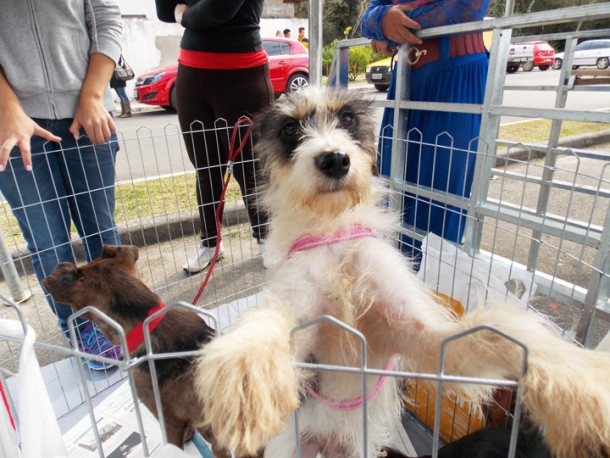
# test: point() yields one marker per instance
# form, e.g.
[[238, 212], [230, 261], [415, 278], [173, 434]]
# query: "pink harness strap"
[[307, 242], [350, 404]]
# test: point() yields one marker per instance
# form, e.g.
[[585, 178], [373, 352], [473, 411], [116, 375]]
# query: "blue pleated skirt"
[[441, 146]]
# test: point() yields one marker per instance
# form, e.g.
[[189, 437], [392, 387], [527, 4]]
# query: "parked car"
[[544, 56], [519, 54], [288, 69], [588, 53], [379, 73], [288, 64], [157, 87]]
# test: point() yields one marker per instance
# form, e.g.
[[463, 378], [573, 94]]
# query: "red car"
[[288, 69], [544, 56]]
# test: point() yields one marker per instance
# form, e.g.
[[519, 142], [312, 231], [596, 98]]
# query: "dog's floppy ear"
[[121, 252], [61, 281]]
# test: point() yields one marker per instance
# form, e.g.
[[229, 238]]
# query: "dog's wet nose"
[[333, 164]]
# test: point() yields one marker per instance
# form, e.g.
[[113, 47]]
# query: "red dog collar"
[[136, 336]]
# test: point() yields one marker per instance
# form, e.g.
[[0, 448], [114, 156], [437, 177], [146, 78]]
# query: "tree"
[[328, 53], [359, 58], [337, 15], [301, 9]]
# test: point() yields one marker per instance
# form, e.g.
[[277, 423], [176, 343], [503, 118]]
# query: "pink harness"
[[307, 242], [350, 404]]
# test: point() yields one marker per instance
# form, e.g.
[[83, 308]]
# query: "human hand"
[[380, 46], [92, 116], [395, 25], [17, 129], [178, 11]]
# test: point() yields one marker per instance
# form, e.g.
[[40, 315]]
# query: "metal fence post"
[[315, 43]]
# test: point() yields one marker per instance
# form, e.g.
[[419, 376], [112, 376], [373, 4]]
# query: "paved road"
[[152, 146], [585, 99]]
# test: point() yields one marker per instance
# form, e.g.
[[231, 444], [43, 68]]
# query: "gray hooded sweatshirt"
[[45, 47]]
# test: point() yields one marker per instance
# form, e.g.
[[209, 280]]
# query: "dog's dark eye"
[[290, 129], [347, 119]]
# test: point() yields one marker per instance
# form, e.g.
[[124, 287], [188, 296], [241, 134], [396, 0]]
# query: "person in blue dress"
[[441, 150]]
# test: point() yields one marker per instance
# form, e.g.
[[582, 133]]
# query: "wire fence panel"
[[535, 226]]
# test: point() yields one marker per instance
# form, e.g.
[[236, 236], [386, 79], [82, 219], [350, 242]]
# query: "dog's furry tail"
[[565, 388], [247, 381]]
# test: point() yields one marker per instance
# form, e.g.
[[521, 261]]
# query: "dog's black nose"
[[333, 164]]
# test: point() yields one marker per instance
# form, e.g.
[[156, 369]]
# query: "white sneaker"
[[202, 259]]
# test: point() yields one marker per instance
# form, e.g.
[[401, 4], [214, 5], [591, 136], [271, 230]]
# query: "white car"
[[590, 52]]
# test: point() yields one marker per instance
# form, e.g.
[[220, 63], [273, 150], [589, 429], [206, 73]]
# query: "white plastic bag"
[[38, 429], [447, 269], [9, 440]]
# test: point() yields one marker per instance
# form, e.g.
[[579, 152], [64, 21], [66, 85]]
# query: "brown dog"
[[111, 284]]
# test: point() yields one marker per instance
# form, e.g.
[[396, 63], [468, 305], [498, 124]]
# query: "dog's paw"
[[247, 381]]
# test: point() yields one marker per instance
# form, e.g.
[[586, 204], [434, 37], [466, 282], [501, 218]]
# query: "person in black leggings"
[[223, 74]]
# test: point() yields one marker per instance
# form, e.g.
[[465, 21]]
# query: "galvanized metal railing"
[[591, 299]]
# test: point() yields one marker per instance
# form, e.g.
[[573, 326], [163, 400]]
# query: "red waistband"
[[222, 61], [459, 45]]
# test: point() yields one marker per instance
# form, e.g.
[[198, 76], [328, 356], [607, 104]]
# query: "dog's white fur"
[[248, 379]]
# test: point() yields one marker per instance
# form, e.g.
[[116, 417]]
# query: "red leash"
[[231, 161]]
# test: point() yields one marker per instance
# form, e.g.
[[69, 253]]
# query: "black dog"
[[490, 443]]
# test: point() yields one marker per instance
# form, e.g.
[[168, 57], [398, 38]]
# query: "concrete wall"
[[138, 8], [149, 43]]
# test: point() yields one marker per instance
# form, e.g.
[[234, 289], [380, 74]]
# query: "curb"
[[585, 140], [581, 141], [137, 107]]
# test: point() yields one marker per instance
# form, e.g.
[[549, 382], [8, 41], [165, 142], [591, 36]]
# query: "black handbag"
[[123, 71]]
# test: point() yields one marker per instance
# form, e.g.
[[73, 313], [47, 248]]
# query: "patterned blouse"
[[428, 13]]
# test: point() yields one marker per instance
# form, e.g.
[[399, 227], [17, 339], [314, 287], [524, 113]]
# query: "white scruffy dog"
[[318, 153]]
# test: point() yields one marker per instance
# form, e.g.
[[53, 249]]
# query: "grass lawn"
[[137, 201], [537, 131]]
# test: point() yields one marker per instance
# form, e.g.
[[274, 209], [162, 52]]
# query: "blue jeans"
[[70, 182], [120, 91]]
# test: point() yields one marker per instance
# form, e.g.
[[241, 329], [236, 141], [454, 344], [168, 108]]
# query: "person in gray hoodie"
[[58, 142]]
